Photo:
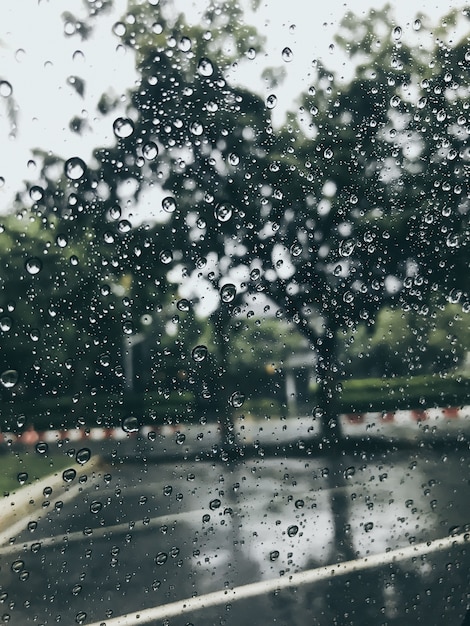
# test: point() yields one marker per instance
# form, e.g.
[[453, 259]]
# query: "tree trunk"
[[328, 392]]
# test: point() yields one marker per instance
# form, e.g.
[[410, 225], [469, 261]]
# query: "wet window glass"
[[234, 313]]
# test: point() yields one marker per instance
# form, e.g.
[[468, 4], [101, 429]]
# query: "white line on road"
[[102, 531], [295, 580]]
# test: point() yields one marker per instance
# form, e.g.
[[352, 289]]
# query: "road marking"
[[101, 531], [224, 596]]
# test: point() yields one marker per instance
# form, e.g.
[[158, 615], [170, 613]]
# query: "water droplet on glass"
[[292, 530], [36, 193], [296, 249], [274, 555], [417, 24], [397, 33], [233, 159], [166, 256], [271, 101], [128, 328], [180, 438], [255, 274], [80, 617], [185, 44], [287, 55], [124, 226], [251, 53], [237, 399], [68, 475], [41, 447], [228, 293], [123, 127], [74, 168], [83, 456], [5, 324], [119, 29], [9, 378], [22, 478], [17, 566], [150, 150], [199, 353], [205, 67], [395, 101], [183, 305], [95, 507], [223, 212], [115, 212], [169, 204], [214, 504], [368, 527], [161, 558], [5, 89], [346, 247], [33, 266], [61, 241], [130, 424], [196, 129], [328, 154]]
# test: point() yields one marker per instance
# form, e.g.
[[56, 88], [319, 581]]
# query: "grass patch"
[[24, 468]]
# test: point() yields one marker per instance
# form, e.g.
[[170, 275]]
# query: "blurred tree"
[[359, 201]]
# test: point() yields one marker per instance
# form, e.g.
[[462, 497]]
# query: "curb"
[[20, 507]]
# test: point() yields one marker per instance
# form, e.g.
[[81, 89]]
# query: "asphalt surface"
[[142, 533]]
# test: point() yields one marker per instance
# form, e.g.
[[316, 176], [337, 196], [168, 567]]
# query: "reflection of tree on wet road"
[[136, 538]]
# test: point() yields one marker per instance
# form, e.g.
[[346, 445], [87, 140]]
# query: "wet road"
[[140, 535]]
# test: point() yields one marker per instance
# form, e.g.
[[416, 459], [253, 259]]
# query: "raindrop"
[[166, 256], [76, 590], [95, 507], [292, 530], [80, 617], [161, 558], [130, 424], [5, 89], [223, 212], [274, 555], [169, 204], [397, 32], [119, 29], [61, 241], [328, 154], [41, 447], [368, 527], [17, 566], [180, 439], [228, 293], [115, 212], [6, 324], [441, 115], [394, 101], [74, 168], [214, 504], [105, 359], [417, 24], [233, 158], [196, 129], [185, 44], [68, 475], [9, 378], [124, 226], [299, 504], [287, 55], [346, 247], [123, 127], [296, 249], [205, 67], [237, 399], [150, 150], [255, 274], [128, 328], [22, 478], [83, 456], [33, 266], [36, 193], [183, 305], [199, 353], [251, 53], [271, 101]]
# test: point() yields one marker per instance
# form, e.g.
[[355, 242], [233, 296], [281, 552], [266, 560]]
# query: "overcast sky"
[[36, 58]]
